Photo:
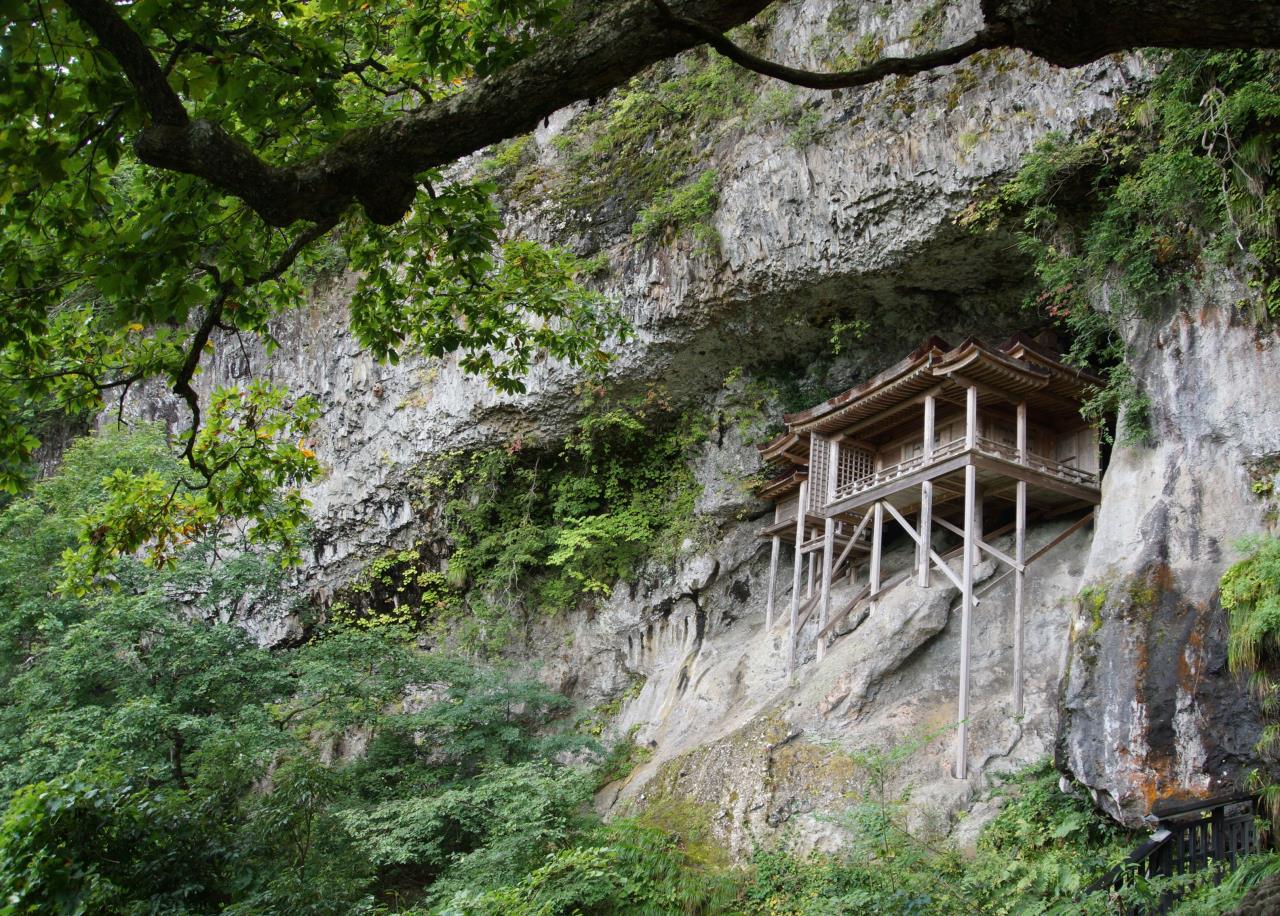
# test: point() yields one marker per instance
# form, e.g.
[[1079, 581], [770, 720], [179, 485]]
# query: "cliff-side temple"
[[942, 441]]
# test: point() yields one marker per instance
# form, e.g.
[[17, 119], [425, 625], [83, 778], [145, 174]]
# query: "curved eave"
[[903, 380], [1064, 376], [783, 484], [1003, 373]]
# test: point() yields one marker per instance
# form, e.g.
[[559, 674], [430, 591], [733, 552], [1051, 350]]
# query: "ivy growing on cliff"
[[1122, 222], [535, 530], [1250, 593]]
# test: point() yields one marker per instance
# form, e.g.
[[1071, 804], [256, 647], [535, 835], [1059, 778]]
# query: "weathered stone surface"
[[761, 755], [1150, 712], [1263, 900]]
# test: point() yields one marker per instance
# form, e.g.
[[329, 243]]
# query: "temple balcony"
[[951, 456]]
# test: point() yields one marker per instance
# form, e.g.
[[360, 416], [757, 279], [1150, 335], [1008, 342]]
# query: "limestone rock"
[[1150, 712]]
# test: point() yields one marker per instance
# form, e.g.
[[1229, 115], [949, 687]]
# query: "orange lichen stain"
[[1190, 662]]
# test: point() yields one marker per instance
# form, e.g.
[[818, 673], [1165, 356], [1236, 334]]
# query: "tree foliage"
[[113, 272]]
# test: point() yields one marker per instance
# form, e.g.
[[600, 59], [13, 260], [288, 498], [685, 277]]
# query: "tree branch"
[[613, 40], [376, 166], [213, 319], [986, 39], [134, 58]]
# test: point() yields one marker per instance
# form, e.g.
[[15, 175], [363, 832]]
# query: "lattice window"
[[819, 451], [855, 463]]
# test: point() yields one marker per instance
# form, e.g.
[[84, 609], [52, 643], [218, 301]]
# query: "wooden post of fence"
[[926, 499]]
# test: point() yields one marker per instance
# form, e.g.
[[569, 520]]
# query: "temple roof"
[[783, 482], [1017, 370]]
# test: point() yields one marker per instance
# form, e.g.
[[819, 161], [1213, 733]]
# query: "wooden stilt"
[[971, 417], [1019, 584], [966, 614], [795, 578], [978, 499], [824, 608], [925, 530], [813, 562], [877, 541], [1019, 575], [774, 555], [926, 498], [829, 543]]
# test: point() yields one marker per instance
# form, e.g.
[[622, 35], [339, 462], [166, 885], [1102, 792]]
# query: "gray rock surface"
[[1150, 712]]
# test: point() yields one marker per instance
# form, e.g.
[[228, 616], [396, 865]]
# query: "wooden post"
[[828, 546], [795, 578], [966, 611], [1019, 573], [813, 562], [978, 497], [1022, 432], [877, 541], [774, 555], [971, 417], [926, 499]]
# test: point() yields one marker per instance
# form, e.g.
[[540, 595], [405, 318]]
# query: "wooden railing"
[[1197, 837], [984, 445], [901, 469]]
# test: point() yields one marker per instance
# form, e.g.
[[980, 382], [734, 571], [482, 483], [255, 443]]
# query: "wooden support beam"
[[853, 539], [824, 606], [813, 562], [774, 555], [906, 526], [926, 496], [983, 545], [970, 420], [795, 580], [1019, 577], [979, 501], [829, 542], [877, 543], [966, 606], [925, 534], [1021, 435], [901, 520]]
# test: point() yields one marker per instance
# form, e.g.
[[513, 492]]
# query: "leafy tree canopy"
[[170, 170]]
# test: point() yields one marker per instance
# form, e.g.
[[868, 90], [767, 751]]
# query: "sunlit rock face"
[[1150, 712], [854, 222]]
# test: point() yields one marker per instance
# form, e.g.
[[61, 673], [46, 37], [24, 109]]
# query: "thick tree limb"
[[1073, 33], [616, 39], [134, 58], [992, 37], [377, 166]]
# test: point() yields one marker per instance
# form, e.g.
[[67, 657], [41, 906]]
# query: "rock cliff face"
[[854, 223], [1150, 712]]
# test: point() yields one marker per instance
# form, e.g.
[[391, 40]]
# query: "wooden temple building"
[[940, 441]]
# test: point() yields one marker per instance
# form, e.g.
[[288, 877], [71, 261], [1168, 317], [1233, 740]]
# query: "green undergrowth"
[[154, 759], [1250, 594], [533, 529], [1131, 218], [1043, 853]]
